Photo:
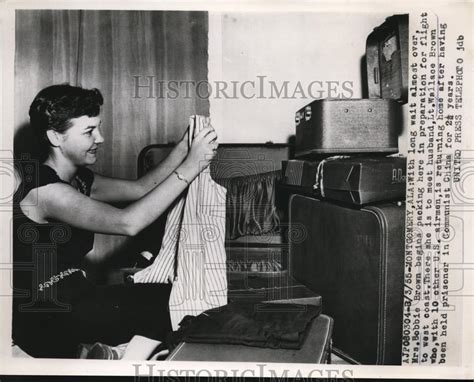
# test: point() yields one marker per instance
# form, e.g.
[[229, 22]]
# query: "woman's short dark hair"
[[55, 106]]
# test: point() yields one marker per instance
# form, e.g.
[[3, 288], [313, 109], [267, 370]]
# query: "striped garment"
[[192, 255]]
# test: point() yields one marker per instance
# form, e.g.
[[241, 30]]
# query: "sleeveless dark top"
[[55, 307], [47, 256]]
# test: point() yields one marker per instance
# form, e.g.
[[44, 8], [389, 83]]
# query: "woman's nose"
[[98, 137]]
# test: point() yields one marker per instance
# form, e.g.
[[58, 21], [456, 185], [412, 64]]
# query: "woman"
[[55, 307]]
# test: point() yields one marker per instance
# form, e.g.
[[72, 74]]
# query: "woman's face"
[[80, 142]]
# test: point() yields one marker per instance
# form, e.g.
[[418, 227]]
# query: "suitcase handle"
[[376, 75]]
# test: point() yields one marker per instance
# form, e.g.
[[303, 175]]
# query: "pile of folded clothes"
[[270, 325]]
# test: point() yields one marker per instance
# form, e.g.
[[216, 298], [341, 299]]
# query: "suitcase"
[[232, 161], [316, 349], [337, 126], [355, 180], [300, 174], [354, 258], [362, 180], [387, 59], [344, 126]]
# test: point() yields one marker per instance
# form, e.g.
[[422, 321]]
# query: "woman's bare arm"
[[62, 202], [108, 189]]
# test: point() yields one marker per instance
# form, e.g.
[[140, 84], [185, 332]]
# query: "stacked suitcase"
[[347, 191]]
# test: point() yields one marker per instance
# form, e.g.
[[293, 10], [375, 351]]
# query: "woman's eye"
[[89, 133]]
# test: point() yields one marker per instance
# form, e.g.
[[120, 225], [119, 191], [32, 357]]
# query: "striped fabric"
[[192, 255]]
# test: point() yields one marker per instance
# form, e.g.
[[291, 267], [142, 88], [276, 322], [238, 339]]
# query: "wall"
[[106, 50]]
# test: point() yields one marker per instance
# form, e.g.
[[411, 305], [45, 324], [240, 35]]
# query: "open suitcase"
[[235, 163], [257, 264], [354, 258]]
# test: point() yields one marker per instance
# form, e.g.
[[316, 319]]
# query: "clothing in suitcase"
[[354, 258], [316, 349], [259, 273]]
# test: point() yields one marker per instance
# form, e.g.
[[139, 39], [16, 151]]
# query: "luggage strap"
[[319, 181]]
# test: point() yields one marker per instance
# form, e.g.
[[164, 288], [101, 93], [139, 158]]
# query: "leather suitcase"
[[316, 349], [355, 180], [354, 258], [340, 126], [362, 180], [300, 174], [387, 59]]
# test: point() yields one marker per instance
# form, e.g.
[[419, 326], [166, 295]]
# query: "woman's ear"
[[53, 138]]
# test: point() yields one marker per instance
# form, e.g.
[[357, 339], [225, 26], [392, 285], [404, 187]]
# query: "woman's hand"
[[203, 150], [181, 149]]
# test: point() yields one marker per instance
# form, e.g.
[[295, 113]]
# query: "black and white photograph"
[[267, 190]]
